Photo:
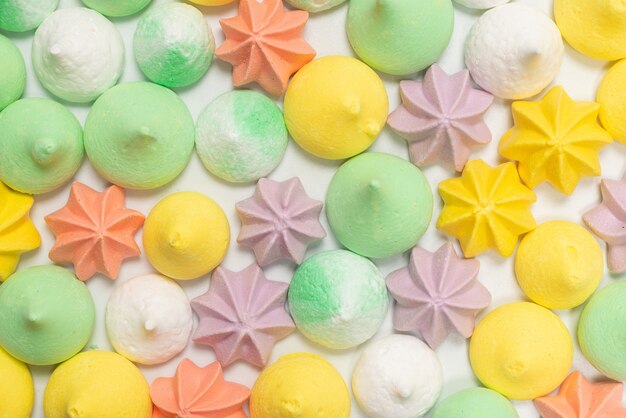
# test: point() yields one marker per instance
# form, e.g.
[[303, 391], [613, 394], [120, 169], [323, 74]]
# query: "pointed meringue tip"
[[33, 318], [291, 407], [352, 105], [44, 151], [176, 241], [403, 390], [72, 412], [372, 128], [374, 185], [55, 50], [149, 325]]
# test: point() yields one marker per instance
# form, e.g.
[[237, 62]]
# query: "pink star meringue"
[[242, 315], [436, 294], [441, 117], [279, 221], [608, 221]]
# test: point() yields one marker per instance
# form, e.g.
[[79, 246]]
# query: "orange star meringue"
[[264, 44], [579, 398], [94, 231]]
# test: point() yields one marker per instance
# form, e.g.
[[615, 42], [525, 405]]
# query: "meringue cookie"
[[43, 145], [378, 205], [17, 393], [338, 299], [398, 376], [315, 6], [12, 72], [97, 384], [475, 403], [481, 4], [77, 54], [241, 136], [173, 44], [46, 315], [116, 8], [148, 319], [25, 15], [514, 51], [400, 36], [300, 385], [611, 96], [139, 135]]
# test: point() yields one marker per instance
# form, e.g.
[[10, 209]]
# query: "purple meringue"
[[279, 221], [436, 294], [441, 117], [608, 221], [242, 315]]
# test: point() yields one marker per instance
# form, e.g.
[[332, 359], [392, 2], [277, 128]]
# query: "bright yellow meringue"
[[16, 388], [17, 232], [612, 99], [556, 140]]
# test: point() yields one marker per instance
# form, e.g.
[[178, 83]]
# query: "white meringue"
[[481, 4], [148, 319], [514, 51], [77, 54], [398, 376]]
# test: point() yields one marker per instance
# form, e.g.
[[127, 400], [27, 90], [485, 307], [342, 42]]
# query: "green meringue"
[[46, 315], [24, 15], [139, 135], [475, 403], [41, 143], [378, 205], [12, 72], [116, 8]]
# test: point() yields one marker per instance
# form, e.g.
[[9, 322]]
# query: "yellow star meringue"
[[486, 208], [17, 232], [555, 139]]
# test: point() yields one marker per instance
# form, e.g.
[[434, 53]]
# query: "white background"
[[579, 76]]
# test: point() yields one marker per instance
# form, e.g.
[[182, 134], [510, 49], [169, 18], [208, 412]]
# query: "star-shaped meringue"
[[555, 139], [279, 221], [441, 117], [198, 392], [17, 233], [579, 398], [436, 294], [608, 221], [94, 231], [264, 44], [487, 207], [242, 315]]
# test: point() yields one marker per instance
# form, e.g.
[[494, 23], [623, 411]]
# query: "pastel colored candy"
[[12, 72], [441, 117], [200, 392], [580, 398], [338, 299], [94, 231], [25, 15], [117, 8], [186, 235], [173, 44], [279, 221], [77, 54], [521, 350], [398, 376], [242, 315], [400, 36], [241, 136], [139, 135], [556, 140], [315, 6], [212, 2], [378, 205], [602, 331], [343, 99], [17, 232], [42, 145], [559, 265], [264, 44], [596, 29], [17, 392], [437, 294], [97, 384], [514, 51], [486, 208], [46, 315], [148, 319], [481, 4], [300, 385], [475, 403], [611, 96]]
